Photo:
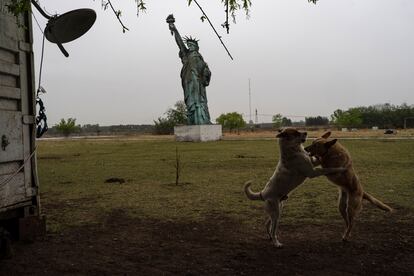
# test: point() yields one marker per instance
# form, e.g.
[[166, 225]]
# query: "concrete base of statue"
[[198, 133]]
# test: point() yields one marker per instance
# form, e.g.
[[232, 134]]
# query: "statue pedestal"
[[198, 133]]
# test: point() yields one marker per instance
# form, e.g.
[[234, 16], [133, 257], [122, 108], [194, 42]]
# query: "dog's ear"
[[330, 143], [326, 135], [281, 134]]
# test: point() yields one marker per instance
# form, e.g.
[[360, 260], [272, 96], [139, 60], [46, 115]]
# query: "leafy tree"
[[67, 127], [300, 123], [164, 126], [286, 122], [380, 115], [349, 118], [231, 121], [316, 121], [178, 114], [174, 116], [279, 121]]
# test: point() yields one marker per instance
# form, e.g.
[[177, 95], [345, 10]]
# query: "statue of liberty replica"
[[195, 76]]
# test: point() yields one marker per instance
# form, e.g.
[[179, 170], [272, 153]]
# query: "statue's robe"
[[195, 76]]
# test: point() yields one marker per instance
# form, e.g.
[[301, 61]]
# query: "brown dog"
[[331, 154]]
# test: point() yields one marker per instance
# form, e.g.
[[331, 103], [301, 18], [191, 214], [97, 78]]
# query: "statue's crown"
[[190, 40]]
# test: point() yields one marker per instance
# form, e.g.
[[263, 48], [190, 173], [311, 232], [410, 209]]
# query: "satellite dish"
[[69, 26]]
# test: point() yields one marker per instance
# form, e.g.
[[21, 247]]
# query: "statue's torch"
[[170, 21]]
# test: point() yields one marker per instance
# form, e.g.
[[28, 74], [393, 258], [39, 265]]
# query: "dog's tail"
[[250, 194], [377, 202]]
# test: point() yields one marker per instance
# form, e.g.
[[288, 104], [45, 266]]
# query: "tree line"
[[380, 115]]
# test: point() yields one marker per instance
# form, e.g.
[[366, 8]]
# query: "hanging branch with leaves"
[[141, 7], [211, 24], [226, 23], [231, 7], [118, 13], [17, 7], [234, 5]]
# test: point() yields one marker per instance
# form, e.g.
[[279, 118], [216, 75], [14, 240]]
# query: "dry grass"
[[73, 173], [361, 133], [142, 223]]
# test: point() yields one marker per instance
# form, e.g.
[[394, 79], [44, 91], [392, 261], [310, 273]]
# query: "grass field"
[[205, 224], [312, 133]]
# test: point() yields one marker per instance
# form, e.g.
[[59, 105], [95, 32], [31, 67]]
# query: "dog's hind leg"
[[269, 210], [353, 209], [267, 225], [269, 220], [342, 204], [273, 209]]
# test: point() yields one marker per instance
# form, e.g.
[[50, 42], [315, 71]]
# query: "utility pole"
[[257, 118], [250, 105]]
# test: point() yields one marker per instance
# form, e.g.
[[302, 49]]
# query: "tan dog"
[[294, 166], [332, 154]]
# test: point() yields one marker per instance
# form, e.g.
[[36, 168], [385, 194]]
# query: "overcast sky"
[[302, 59]]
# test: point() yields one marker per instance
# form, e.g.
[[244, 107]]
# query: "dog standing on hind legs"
[[329, 154], [294, 166]]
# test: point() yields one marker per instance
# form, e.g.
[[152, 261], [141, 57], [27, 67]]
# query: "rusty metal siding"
[[17, 103]]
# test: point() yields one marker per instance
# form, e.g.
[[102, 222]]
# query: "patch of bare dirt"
[[122, 245]]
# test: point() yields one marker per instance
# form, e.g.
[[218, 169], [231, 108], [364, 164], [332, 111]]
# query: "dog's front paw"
[[345, 238], [277, 244]]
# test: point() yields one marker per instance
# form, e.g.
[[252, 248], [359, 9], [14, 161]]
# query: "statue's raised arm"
[[175, 33]]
